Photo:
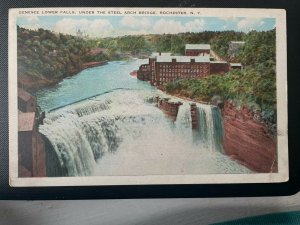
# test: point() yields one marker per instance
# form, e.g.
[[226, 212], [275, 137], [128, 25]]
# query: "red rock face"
[[247, 141], [169, 108]]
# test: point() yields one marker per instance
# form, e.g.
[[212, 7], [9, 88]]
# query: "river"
[[103, 122]]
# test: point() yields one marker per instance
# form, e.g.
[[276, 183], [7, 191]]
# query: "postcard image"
[[102, 96]]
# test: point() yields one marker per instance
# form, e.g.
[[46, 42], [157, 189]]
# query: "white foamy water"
[[120, 133]]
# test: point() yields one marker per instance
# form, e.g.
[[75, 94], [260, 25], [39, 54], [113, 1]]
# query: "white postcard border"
[[282, 121]]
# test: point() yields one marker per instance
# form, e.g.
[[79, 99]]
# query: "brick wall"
[[166, 72], [219, 68], [195, 52]]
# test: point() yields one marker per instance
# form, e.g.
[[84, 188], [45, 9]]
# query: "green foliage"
[[175, 43], [118, 45], [260, 47], [254, 86], [220, 41], [49, 55], [131, 43], [43, 53]]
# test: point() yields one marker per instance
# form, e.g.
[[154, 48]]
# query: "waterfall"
[[82, 133], [210, 127], [78, 137], [70, 144], [218, 129], [183, 123], [121, 133]]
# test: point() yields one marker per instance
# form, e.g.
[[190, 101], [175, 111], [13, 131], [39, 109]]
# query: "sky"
[[106, 26]]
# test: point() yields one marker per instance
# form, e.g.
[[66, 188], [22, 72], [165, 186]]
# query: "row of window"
[[180, 66], [177, 70], [180, 74], [168, 78], [197, 51], [201, 70]]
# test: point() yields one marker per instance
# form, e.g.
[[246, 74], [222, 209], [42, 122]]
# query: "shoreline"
[[186, 98], [34, 84]]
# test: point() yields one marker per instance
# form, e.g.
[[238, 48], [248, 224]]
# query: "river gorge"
[[103, 121]]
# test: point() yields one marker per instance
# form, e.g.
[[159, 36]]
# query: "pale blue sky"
[[103, 26]]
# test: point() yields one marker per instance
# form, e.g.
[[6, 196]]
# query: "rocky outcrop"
[[168, 107], [194, 116], [247, 140]]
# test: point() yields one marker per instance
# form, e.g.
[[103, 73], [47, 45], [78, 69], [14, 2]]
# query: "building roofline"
[[237, 42], [203, 59], [197, 47], [235, 64], [216, 62]]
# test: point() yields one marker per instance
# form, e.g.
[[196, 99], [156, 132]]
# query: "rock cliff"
[[247, 140]]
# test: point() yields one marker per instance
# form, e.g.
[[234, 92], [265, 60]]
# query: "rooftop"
[[183, 58], [155, 54], [197, 46], [237, 42], [235, 64], [26, 121], [218, 62], [24, 95], [165, 53]]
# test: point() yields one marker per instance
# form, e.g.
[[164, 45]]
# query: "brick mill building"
[[197, 49], [196, 63]]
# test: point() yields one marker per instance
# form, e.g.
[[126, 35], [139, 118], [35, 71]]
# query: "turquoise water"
[[91, 82]]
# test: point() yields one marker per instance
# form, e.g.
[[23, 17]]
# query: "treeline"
[[42, 53], [254, 86], [49, 57], [175, 43], [45, 57], [118, 45]]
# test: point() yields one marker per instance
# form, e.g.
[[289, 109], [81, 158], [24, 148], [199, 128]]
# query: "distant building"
[[169, 68], [236, 66], [197, 49], [197, 63], [79, 33], [234, 48]]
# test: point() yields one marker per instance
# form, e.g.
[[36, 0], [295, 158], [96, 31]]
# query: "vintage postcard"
[[122, 96]]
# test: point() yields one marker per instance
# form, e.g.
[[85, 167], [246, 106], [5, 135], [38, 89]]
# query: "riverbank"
[[94, 64], [33, 83]]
